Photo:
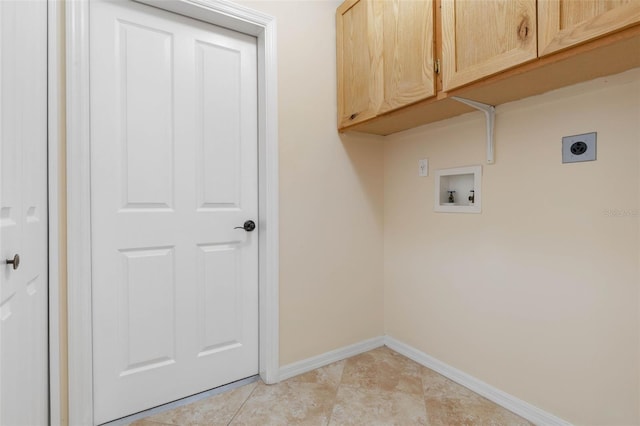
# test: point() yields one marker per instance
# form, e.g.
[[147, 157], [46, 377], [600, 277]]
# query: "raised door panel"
[[566, 23], [145, 57], [408, 53], [359, 61], [219, 298], [218, 128], [482, 38], [147, 334]]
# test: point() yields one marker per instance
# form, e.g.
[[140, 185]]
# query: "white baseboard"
[[511, 403], [306, 365]]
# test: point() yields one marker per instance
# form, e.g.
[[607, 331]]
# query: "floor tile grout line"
[[424, 395], [243, 403], [335, 398], [333, 405]]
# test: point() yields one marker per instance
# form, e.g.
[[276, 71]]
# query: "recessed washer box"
[[579, 148], [464, 185]]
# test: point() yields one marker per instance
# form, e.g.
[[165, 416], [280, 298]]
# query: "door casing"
[[55, 108], [217, 12]]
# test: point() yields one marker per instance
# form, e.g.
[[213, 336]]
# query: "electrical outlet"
[[579, 148], [423, 167]]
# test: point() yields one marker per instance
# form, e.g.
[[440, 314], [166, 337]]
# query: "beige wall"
[[538, 295], [331, 195]]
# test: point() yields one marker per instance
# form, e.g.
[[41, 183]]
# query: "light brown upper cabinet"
[[408, 53], [384, 57], [481, 38], [566, 23], [490, 51], [359, 60]]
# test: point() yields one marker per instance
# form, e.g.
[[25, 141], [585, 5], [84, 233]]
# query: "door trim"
[[55, 117], [221, 13]]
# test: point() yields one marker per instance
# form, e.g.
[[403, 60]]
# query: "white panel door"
[[173, 172], [23, 213]]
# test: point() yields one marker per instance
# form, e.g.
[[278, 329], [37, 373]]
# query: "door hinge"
[[436, 66]]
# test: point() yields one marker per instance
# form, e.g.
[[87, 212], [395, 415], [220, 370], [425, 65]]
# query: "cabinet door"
[[359, 61], [484, 37], [565, 23], [408, 52]]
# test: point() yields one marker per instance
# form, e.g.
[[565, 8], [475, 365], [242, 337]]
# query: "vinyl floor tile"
[[145, 422], [385, 370], [356, 405], [288, 404], [216, 410]]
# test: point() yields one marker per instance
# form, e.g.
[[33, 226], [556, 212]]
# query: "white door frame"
[[55, 107], [221, 13]]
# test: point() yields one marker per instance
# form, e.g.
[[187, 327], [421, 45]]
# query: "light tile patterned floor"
[[379, 387]]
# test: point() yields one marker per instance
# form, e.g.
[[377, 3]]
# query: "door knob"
[[248, 226], [15, 261]]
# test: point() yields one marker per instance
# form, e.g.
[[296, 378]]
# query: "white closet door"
[[23, 214]]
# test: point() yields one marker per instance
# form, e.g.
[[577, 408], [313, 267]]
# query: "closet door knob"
[[15, 261]]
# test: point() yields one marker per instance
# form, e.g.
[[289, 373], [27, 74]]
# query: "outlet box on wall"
[[579, 148], [464, 185]]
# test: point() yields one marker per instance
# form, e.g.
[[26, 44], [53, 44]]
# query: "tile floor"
[[379, 387]]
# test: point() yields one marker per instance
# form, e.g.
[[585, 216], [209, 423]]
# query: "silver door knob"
[[15, 261]]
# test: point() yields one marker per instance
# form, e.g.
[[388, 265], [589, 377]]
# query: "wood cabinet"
[[566, 23], [491, 51], [408, 34], [481, 38], [384, 57], [359, 60]]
